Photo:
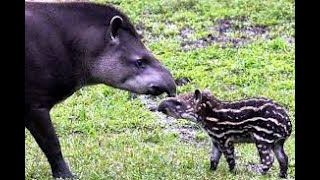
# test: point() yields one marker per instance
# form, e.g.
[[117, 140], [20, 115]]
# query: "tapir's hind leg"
[[39, 124], [281, 157], [266, 157]]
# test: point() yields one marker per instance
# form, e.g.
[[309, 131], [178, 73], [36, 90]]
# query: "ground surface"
[[237, 49]]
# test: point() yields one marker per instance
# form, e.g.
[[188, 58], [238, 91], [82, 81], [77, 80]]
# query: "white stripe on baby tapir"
[[261, 129], [247, 100], [253, 119], [247, 108], [256, 136], [227, 141], [224, 133], [277, 113], [212, 119], [209, 104]]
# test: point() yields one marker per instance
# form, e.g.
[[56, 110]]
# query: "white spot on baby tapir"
[[263, 160], [268, 124], [229, 117], [267, 157], [265, 152], [178, 107], [231, 155], [269, 162], [259, 145], [203, 104], [267, 112], [188, 106]]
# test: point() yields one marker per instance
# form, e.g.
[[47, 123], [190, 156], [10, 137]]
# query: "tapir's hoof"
[[64, 175], [234, 171]]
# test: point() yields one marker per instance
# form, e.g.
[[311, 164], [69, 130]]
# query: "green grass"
[[104, 135]]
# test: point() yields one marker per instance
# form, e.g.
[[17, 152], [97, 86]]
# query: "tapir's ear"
[[197, 96], [115, 24]]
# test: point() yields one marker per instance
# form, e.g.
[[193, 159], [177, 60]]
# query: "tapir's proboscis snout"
[[167, 85]]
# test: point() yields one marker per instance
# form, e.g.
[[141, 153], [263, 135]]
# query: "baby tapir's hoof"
[[213, 165], [255, 168], [283, 175]]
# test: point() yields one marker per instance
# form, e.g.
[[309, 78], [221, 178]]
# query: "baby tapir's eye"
[[140, 63]]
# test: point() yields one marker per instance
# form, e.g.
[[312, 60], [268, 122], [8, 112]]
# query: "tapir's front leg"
[[215, 156], [38, 122]]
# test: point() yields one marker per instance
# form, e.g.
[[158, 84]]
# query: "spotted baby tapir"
[[255, 120]]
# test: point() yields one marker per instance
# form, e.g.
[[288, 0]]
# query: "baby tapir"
[[70, 45], [255, 120]]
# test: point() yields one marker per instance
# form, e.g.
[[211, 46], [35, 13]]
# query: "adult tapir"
[[70, 45]]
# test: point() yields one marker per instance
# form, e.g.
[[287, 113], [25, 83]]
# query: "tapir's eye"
[[139, 63]]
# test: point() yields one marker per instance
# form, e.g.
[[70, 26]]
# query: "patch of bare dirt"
[[226, 32]]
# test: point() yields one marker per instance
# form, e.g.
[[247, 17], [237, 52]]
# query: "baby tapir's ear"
[[207, 91], [197, 96], [114, 26]]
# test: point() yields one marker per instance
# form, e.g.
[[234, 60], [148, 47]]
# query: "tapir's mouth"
[[171, 94], [154, 92], [158, 91]]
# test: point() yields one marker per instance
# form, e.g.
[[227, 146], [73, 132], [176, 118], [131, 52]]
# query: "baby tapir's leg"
[[228, 151], [215, 156], [281, 157], [266, 157]]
